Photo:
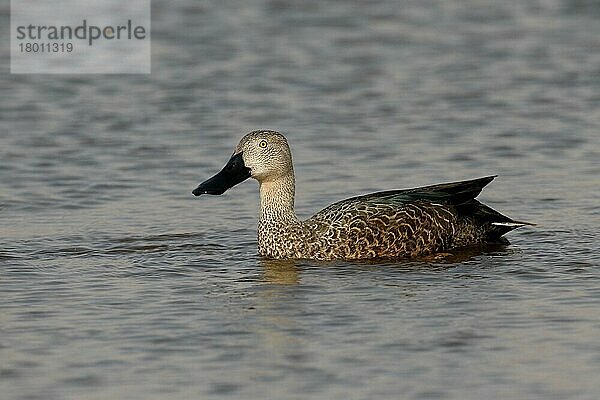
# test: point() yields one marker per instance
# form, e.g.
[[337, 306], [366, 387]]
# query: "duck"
[[392, 224]]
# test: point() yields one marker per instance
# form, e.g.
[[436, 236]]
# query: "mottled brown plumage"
[[391, 224]]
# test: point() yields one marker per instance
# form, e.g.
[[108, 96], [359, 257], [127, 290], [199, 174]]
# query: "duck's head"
[[263, 155]]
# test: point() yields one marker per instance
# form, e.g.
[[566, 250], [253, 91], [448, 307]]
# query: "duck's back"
[[406, 223]]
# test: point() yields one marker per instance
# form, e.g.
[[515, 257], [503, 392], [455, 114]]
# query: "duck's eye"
[[262, 144]]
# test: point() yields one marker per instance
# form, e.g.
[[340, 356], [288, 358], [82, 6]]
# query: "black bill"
[[233, 173]]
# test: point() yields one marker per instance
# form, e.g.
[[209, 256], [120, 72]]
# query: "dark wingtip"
[[486, 179]]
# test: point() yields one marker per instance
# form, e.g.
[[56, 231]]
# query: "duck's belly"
[[388, 233]]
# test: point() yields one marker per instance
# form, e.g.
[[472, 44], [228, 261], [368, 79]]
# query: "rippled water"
[[116, 282]]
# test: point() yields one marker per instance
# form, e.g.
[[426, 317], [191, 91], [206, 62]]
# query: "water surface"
[[116, 282]]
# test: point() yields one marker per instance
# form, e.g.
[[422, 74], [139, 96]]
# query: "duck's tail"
[[497, 224]]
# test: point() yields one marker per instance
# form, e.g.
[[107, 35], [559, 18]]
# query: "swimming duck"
[[391, 224]]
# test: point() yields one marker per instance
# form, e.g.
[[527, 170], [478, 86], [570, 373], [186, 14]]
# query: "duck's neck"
[[277, 200]]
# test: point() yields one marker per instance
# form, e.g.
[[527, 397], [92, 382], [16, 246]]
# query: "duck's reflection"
[[280, 272], [296, 299]]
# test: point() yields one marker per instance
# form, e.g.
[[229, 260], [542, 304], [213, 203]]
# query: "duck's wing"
[[453, 193], [458, 197]]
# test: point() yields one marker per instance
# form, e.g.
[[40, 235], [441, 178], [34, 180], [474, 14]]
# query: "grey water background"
[[115, 282]]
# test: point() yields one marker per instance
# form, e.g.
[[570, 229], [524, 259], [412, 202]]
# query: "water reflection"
[[280, 272], [287, 272]]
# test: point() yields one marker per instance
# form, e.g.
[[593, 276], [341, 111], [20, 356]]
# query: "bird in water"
[[383, 225]]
